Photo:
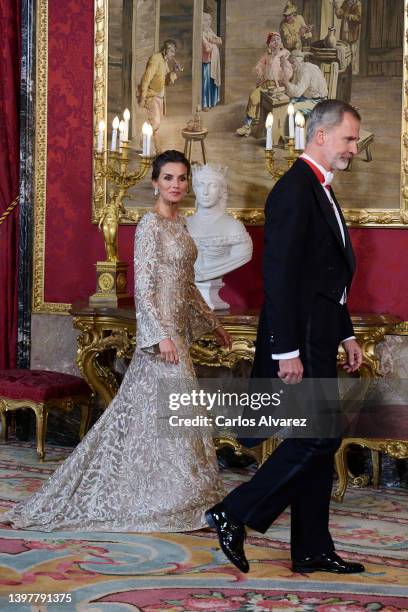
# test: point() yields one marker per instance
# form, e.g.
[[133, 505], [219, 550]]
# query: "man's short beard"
[[340, 164]]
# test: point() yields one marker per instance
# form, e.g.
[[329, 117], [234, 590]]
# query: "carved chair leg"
[[86, 414], [41, 418], [369, 156], [340, 462], [376, 459], [4, 429]]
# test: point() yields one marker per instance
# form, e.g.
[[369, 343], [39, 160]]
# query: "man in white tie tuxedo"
[[308, 268]]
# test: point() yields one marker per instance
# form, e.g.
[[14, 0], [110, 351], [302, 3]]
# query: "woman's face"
[[206, 22], [172, 182], [275, 42]]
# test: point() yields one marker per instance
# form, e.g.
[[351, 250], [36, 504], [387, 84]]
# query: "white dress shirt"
[[328, 177]]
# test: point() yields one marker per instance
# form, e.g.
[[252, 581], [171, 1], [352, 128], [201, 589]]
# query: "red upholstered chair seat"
[[42, 391], [40, 385]]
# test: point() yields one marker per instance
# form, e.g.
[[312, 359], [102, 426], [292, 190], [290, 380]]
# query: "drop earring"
[[156, 192]]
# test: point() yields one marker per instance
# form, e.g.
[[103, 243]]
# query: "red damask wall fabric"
[[10, 19], [73, 244]]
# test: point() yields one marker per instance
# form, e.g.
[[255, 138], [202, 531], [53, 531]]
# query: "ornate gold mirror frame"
[[356, 217]]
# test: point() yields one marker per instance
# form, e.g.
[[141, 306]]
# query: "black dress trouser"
[[299, 472]]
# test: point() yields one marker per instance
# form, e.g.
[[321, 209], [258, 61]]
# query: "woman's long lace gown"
[[123, 476]]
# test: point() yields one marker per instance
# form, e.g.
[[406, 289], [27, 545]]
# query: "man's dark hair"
[[169, 42], [168, 156], [328, 114]]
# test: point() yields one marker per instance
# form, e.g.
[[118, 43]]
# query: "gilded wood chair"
[[43, 391]]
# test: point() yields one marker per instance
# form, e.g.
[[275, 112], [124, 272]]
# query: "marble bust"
[[223, 243]]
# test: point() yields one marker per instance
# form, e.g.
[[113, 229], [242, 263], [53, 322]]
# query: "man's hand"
[[222, 336], [307, 29], [354, 355], [168, 351], [172, 78], [290, 371]]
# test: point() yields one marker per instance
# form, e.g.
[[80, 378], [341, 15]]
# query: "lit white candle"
[[149, 139], [121, 131], [298, 122], [269, 126], [144, 133], [115, 126], [147, 132], [126, 117], [302, 133], [101, 132], [291, 117]]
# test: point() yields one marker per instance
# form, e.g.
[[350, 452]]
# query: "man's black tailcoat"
[[304, 260], [306, 269]]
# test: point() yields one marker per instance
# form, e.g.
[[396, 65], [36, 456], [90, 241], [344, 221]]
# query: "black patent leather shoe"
[[231, 535], [329, 562]]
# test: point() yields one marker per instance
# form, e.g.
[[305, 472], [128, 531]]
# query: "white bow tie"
[[328, 180]]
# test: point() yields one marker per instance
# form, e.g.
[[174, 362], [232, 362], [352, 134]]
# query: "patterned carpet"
[[187, 572]]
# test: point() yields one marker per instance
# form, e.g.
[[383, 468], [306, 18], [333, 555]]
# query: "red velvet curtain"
[[10, 19]]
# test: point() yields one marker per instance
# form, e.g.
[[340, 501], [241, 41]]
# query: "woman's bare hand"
[[168, 351], [223, 337]]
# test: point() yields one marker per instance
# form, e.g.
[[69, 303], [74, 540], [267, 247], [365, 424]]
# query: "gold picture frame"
[[395, 218], [356, 217]]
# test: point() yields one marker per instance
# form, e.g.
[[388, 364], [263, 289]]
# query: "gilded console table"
[[107, 333]]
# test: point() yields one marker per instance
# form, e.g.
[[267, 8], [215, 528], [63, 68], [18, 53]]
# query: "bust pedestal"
[[209, 290], [111, 285]]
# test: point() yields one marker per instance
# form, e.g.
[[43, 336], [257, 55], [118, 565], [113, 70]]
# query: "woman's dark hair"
[[168, 156]]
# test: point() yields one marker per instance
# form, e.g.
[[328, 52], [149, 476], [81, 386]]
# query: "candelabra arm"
[[273, 168], [270, 163], [114, 167], [133, 178]]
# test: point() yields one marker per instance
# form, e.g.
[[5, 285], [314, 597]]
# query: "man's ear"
[[320, 136]]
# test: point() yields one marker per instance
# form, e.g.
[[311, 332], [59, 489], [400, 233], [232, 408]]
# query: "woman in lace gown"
[[124, 476]]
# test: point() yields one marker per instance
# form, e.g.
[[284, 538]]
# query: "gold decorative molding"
[[377, 217], [40, 184], [100, 100], [401, 329], [404, 125], [249, 216]]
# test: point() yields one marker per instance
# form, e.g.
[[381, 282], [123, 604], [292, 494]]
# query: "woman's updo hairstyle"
[[172, 156]]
